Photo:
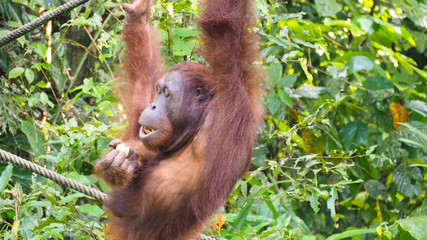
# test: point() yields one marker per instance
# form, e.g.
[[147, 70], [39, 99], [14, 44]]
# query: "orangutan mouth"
[[148, 130]]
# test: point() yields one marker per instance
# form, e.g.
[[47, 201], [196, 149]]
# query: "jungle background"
[[342, 154]]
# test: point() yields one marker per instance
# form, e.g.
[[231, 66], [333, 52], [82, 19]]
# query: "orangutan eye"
[[167, 93], [199, 93], [158, 89]]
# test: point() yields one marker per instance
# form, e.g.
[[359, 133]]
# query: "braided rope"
[[20, 162], [39, 21]]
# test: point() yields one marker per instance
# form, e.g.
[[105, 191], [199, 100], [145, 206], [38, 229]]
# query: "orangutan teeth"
[[148, 130]]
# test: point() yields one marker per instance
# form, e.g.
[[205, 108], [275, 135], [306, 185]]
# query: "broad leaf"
[[16, 72], [288, 80], [40, 48], [285, 97], [34, 137], [376, 189], [327, 8], [29, 75], [314, 201], [183, 41], [273, 103], [5, 176], [351, 233], [93, 210], [377, 83], [417, 106], [331, 202], [78, 178], [358, 63], [308, 91], [354, 134], [416, 226], [274, 74], [408, 180], [416, 11]]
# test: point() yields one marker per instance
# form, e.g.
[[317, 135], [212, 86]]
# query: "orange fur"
[[175, 191]]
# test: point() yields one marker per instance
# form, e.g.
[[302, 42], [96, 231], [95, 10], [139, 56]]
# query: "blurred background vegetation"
[[342, 154]]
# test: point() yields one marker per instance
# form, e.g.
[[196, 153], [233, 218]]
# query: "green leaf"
[[240, 219], [102, 57], [416, 226], [351, 233], [4, 32], [314, 201], [5, 177], [366, 23], [16, 72], [35, 203], [392, 30], [42, 85], [92, 210], [283, 42], [72, 198], [40, 48], [87, 85], [14, 24], [34, 99], [78, 178], [183, 41], [358, 63], [273, 103], [102, 146], [417, 106], [270, 206], [331, 202], [376, 189], [348, 55], [327, 8], [351, 25], [309, 91], [21, 40], [377, 82], [354, 134], [407, 180], [416, 11], [286, 81], [34, 137], [415, 133], [29, 75], [44, 99], [58, 76], [285, 97], [274, 74]]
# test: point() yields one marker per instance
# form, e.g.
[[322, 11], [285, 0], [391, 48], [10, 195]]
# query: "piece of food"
[[123, 148]]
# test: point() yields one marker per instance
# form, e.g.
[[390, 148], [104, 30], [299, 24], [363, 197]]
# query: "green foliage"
[[342, 153], [5, 176]]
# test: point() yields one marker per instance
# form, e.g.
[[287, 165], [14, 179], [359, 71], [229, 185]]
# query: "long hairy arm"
[[142, 63], [143, 67], [230, 46]]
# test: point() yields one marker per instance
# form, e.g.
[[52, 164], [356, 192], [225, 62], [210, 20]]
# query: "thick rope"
[[39, 21], [20, 162]]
